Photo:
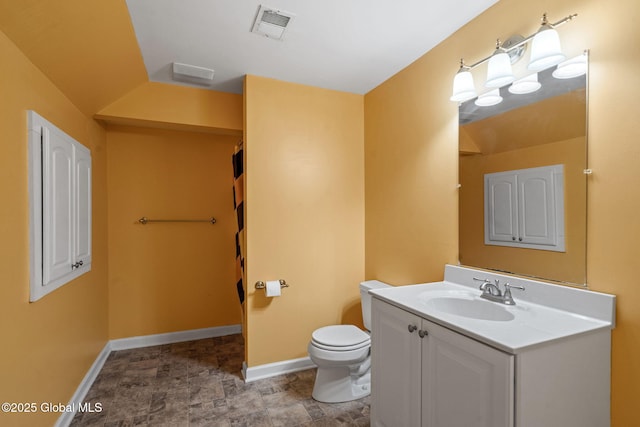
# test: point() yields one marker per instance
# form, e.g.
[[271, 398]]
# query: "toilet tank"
[[365, 299]]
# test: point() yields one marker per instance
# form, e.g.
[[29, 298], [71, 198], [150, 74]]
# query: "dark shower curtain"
[[238, 203]]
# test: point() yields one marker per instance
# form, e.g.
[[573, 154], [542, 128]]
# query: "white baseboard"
[[136, 342], [268, 370], [173, 337], [66, 417]]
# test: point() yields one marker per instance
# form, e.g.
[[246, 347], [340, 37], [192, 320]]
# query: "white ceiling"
[[345, 45]]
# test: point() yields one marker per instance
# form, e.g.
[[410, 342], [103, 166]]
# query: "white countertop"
[[533, 323]]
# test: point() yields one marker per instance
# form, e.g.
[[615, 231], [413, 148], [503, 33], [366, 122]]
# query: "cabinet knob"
[[520, 239], [412, 328], [513, 238], [77, 265], [422, 333]]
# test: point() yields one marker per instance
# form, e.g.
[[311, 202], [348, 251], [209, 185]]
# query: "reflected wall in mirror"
[[544, 128]]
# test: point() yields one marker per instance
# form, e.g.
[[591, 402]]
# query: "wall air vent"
[[271, 22], [192, 74]]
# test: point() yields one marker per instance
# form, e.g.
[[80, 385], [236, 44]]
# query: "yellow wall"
[[304, 213], [48, 346], [411, 162], [178, 276], [87, 49], [567, 266], [168, 106]]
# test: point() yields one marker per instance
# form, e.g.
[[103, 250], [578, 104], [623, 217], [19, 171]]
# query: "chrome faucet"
[[492, 291]]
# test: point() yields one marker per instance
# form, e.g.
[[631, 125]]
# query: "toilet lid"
[[340, 336]]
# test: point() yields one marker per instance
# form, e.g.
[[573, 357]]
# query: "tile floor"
[[199, 383]]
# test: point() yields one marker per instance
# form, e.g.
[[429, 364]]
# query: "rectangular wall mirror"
[[525, 131]]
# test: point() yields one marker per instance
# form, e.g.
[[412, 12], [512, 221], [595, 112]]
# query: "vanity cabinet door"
[[395, 367], [464, 382], [425, 375]]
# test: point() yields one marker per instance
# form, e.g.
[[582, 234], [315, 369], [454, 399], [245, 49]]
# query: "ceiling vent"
[[271, 22], [192, 74]]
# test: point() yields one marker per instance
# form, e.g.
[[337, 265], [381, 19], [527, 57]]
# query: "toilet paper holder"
[[261, 285]]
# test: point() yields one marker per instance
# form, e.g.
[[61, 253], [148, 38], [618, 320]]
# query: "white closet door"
[[57, 205], [536, 206], [501, 212], [525, 208], [82, 206], [60, 207]]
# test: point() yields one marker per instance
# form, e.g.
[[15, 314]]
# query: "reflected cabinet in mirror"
[[523, 186]]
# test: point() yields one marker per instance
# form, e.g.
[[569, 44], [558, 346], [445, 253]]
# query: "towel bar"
[[145, 220]]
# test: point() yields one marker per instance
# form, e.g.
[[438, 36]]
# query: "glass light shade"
[[499, 71], [526, 84], [571, 68], [545, 50], [490, 98], [463, 87]]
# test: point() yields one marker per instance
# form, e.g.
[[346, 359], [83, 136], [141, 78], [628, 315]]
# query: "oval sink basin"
[[471, 308]]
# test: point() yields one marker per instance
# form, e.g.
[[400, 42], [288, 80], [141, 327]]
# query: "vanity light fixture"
[[545, 52], [571, 68]]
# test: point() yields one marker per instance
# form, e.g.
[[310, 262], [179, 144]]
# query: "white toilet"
[[343, 356]]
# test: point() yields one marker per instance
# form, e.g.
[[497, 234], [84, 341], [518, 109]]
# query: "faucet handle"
[[484, 282], [508, 299]]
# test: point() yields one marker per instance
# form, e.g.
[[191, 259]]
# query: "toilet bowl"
[[342, 354]]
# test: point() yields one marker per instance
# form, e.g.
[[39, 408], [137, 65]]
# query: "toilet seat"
[[340, 338], [343, 348], [331, 357]]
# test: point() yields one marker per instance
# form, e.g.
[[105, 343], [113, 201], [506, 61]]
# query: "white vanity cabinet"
[[424, 374], [442, 356], [427, 375]]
